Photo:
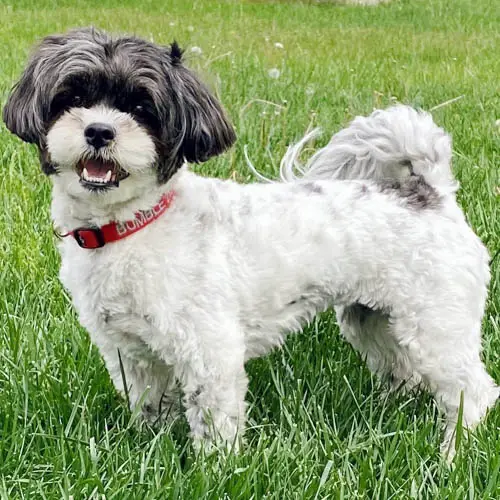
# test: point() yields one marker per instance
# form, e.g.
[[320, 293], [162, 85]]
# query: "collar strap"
[[97, 237]]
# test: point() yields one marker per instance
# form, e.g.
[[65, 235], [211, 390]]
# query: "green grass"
[[321, 426]]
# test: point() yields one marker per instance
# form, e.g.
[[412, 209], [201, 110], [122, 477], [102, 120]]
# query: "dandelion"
[[274, 73], [196, 50], [279, 45]]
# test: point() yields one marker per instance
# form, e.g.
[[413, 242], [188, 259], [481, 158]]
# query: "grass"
[[321, 426]]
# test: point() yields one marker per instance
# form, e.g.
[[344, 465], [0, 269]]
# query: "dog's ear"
[[200, 125], [24, 112], [27, 108], [207, 131]]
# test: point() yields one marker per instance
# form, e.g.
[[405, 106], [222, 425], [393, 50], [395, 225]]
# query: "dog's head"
[[106, 111]]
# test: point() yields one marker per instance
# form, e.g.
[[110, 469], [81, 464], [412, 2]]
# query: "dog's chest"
[[106, 286]]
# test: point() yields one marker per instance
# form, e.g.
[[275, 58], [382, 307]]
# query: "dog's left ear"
[[201, 127]]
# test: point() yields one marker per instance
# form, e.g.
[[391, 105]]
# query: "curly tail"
[[388, 145]]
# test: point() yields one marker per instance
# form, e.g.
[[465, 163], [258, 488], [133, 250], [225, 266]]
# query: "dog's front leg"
[[142, 378], [151, 389], [215, 385], [215, 409]]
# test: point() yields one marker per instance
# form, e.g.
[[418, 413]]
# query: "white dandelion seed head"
[[310, 90], [274, 73]]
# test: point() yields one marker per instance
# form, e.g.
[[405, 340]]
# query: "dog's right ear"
[[27, 106], [23, 113]]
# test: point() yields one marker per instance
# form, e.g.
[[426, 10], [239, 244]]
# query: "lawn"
[[320, 425]]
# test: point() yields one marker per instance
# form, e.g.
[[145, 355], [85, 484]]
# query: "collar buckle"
[[89, 237]]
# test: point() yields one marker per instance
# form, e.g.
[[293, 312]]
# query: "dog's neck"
[[70, 212]]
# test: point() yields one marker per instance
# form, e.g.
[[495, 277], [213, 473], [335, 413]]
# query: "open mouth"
[[98, 174]]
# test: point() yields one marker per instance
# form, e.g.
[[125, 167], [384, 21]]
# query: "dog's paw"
[[164, 413], [207, 446]]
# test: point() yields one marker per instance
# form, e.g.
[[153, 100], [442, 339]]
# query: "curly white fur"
[[230, 269]]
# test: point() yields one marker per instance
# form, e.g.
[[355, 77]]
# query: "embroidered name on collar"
[[96, 237]]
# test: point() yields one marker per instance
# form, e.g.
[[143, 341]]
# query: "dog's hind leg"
[[412, 352], [446, 352], [368, 331]]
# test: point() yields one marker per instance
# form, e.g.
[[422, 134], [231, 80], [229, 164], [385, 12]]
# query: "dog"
[[180, 279]]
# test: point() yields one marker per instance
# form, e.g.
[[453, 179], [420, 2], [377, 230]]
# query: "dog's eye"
[[143, 110], [63, 101]]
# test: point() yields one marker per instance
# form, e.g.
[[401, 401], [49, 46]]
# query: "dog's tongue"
[[96, 168]]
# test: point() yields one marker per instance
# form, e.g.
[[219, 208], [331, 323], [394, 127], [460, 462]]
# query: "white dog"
[[182, 278]]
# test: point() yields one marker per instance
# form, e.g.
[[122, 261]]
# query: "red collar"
[[97, 237]]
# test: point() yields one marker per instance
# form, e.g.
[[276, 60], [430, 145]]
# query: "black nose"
[[99, 134]]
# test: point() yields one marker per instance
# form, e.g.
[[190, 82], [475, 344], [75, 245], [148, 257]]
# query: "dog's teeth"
[[101, 180]]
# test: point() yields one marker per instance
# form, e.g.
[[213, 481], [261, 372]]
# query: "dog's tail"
[[389, 145]]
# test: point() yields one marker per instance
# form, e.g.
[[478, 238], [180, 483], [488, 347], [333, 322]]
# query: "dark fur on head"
[[86, 66]]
